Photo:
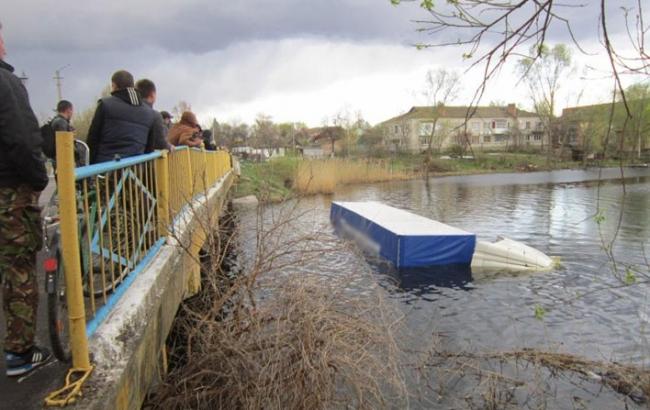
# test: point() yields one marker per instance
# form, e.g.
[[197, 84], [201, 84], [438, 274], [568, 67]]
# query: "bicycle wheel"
[[114, 271], [57, 308]]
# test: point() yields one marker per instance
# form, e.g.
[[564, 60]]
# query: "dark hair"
[[122, 79], [63, 106], [146, 87], [165, 114]]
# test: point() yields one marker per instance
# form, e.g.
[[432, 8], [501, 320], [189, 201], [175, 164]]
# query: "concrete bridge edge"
[[126, 349]]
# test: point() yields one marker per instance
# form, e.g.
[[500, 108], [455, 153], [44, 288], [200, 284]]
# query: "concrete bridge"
[[137, 225]]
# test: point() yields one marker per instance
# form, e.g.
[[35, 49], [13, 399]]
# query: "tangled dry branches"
[[299, 341]]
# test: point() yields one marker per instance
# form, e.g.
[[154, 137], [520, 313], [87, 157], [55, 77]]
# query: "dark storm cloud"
[[199, 26], [152, 37], [96, 37]]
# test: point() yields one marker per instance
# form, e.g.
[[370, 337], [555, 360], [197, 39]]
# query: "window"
[[396, 129], [501, 138], [527, 125], [476, 127], [500, 124], [486, 138], [426, 128], [424, 140]]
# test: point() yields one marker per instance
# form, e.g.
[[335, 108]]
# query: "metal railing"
[[115, 216]]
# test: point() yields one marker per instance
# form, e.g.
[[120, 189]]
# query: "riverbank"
[[283, 178]]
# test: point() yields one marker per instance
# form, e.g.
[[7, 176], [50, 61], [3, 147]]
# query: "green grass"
[[270, 181]]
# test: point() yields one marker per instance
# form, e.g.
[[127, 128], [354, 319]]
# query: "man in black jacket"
[[22, 178], [147, 90], [122, 125]]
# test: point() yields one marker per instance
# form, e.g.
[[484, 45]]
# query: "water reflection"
[[419, 281], [588, 312]]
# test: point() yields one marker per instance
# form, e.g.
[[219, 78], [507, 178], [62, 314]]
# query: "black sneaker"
[[19, 364]]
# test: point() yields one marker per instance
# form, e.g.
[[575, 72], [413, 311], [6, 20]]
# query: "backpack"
[[49, 140]]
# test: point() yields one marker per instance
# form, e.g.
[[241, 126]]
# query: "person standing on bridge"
[[22, 178], [61, 122], [123, 126], [186, 132], [147, 90], [64, 111], [167, 119]]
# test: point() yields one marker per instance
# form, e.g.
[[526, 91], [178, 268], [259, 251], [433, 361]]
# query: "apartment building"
[[486, 128]]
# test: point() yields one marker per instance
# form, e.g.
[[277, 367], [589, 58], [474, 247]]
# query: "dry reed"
[[324, 176], [529, 378]]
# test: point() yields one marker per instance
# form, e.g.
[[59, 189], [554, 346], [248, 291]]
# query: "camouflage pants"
[[20, 239]]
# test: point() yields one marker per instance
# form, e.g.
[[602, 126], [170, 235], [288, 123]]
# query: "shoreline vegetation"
[[288, 177]]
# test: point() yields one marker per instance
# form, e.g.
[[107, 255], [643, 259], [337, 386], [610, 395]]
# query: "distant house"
[[324, 141], [588, 128], [488, 128], [259, 154], [313, 152]]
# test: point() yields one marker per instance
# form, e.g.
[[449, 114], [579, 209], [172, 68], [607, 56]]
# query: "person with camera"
[[186, 132]]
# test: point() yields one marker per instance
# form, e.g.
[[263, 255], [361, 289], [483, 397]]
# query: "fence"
[[115, 216]]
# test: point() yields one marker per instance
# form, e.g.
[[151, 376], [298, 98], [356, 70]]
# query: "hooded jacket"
[[160, 130], [21, 160], [122, 127], [185, 132]]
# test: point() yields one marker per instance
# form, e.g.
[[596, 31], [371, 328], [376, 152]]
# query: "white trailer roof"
[[399, 221]]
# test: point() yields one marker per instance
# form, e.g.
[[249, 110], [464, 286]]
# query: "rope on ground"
[[69, 393]]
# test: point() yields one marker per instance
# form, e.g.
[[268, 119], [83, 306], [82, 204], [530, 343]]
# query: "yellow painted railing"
[[115, 216]]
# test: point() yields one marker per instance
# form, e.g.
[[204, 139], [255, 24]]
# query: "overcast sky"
[[295, 60]]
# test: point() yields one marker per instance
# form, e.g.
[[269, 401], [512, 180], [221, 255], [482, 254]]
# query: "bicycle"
[[96, 227], [54, 269]]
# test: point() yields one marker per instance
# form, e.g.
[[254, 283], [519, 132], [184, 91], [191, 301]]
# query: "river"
[[583, 307]]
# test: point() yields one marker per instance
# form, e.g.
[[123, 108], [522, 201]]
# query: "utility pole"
[[58, 78], [23, 78]]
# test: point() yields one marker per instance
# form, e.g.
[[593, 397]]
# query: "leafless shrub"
[[276, 337]]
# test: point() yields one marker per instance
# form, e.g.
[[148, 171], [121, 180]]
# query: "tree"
[[544, 76], [353, 126], [82, 119], [265, 133], [441, 87], [494, 31], [180, 108], [638, 127], [371, 140], [289, 133], [332, 134]]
